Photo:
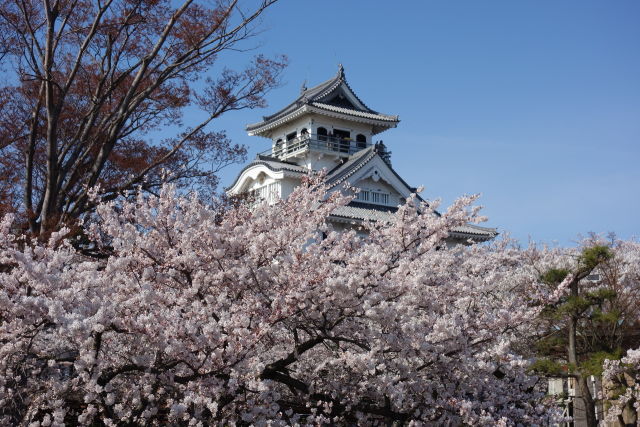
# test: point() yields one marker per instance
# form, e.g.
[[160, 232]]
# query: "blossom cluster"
[[264, 314]]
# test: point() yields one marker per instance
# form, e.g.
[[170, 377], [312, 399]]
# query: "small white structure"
[[329, 127]]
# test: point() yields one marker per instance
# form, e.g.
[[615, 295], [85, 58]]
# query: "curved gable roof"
[[322, 96], [357, 161], [271, 163]]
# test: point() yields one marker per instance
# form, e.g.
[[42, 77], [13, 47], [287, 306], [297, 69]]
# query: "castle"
[[329, 127]]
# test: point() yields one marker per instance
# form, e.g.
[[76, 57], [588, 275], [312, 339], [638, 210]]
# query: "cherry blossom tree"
[[265, 314]]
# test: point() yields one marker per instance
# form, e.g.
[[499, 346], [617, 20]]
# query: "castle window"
[[322, 134], [344, 138], [361, 141], [380, 198], [369, 196], [342, 134], [291, 136], [269, 193]]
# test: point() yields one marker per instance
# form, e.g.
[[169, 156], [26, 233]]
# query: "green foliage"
[[550, 344], [548, 367], [575, 305], [593, 365], [601, 295], [554, 276], [610, 317], [582, 304], [593, 256], [578, 305]]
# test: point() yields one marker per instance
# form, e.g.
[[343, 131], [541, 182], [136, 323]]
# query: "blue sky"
[[534, 104]]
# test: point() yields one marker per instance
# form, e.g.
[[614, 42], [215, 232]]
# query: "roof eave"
[[483, 237], [286, 172], [263, 128]]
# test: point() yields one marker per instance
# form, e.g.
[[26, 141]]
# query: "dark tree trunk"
[[581, 380]]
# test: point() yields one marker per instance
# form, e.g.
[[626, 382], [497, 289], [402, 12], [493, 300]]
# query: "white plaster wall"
[[293, 126], [318, 161], [287, 185]]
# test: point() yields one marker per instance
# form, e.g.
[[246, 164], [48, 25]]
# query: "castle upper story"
[[323, 126]]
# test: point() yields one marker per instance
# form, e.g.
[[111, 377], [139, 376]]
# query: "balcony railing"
[[327, 144]]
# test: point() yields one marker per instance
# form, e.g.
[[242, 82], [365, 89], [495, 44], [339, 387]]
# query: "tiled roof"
[[463, 231], [475, 229], [315, 97], [340, 173], [350, 111], [358, 160], [273, 164], [362, 213], [366, 212]]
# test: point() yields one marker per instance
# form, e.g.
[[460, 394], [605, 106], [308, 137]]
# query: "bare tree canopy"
[[86, 81]]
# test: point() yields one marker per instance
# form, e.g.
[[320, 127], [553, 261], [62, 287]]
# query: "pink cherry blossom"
[[263, 314]]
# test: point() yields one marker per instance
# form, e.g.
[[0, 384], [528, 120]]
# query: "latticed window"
[[363, 195], [370, 196], [269, 193], [381, 198]]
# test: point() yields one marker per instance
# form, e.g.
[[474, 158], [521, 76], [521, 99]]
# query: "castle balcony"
[[301, 145]]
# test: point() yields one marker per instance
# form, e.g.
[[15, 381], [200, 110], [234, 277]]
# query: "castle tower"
[[324, 126], [329, 127]]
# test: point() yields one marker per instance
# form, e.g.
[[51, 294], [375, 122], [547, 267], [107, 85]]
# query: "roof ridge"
[[354, 166], [315, 94], [303, 95], [366, 114], [326, 82], [357, 97]]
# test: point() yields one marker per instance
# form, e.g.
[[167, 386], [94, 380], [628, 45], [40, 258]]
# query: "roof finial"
[[303, 88], [340, 71]]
